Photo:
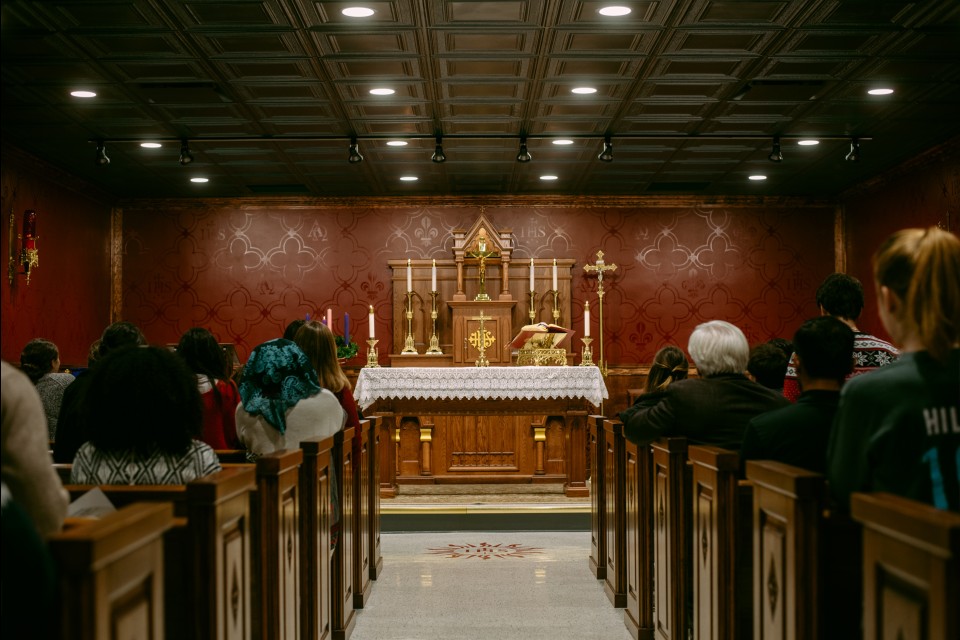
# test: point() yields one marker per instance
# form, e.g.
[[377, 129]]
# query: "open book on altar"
[[541, 336]]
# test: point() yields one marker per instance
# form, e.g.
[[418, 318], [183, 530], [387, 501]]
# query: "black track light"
[[775, 154], [524, 155], [438, 155], [101, 158], [607, 154], [354, 156], [185, 156], [854, 155]]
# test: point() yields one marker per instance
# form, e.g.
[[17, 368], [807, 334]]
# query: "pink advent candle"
[[532, 288], [371, 323], [330, 319], [586, 319], [409, 276], [433, 277]]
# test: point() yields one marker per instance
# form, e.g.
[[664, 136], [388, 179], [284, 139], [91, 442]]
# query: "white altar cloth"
[[490, 383]]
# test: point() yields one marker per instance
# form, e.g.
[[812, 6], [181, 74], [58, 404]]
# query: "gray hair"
[[718, 347]]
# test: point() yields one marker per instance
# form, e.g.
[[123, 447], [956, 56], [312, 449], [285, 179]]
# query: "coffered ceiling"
[[268, 93]]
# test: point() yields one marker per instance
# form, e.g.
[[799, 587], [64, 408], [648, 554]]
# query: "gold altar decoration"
[[372, 354], [481, 253], [586, 357], [434, 339], [481, 340], [408, 344], [599, 267], [541, 345]]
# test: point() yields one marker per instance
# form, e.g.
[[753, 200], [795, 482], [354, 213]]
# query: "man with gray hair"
[[714, 408]]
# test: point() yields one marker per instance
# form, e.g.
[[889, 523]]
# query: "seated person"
[[898, 428], [798, 433], [320, 346], [282, 402], [668, 366], [144, 415], [204, 355], [715, 408], [40, 360], [768, 365]]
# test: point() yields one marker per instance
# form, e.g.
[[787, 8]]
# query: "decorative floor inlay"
[[486, 551]]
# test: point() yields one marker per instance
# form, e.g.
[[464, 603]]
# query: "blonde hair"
[[317, 341], [922, 266]]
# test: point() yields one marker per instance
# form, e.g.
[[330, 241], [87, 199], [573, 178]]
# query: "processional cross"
[[482, 253], [599, 268]]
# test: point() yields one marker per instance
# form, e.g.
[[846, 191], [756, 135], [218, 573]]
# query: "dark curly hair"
[[768, 364], [841, 296], [118, 336], [36, 359], [141, 399], [204, 355]]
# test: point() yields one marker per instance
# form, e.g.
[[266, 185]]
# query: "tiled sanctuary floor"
[[488, 586]]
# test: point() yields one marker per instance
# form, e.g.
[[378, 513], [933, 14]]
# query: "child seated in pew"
[[144, 414], [669, 365], [204, 355]]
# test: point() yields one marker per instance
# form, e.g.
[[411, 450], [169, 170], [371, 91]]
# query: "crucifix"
[[481, 339], [599, 267], [482, 253]]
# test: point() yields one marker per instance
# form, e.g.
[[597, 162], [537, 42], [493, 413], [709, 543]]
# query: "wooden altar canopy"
[[482, 424]]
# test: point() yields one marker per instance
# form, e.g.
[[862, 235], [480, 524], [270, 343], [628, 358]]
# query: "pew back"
[[671, 541]]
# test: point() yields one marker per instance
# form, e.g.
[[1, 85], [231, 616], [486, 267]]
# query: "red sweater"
[[219, 419]]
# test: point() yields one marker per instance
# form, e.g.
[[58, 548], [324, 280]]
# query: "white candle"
[[371, 322], [586, 319], [555, 287], [433, 277], [409, 276], [330, 319], [532, 288]]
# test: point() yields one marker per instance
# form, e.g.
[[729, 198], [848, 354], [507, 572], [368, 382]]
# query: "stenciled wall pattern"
[[246, 270]]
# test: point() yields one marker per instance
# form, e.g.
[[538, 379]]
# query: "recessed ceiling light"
[[199, 180], [614, 11], [563, 141], [150, 145], [382, 92], [880, 92], [83, 94], [357, 12], [409, 178], [397, 143], [583, 90], [758, 177], [548, 177], [808, 143]]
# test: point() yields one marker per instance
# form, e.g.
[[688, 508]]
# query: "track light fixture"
[[524, 155], [101, 157], [438, 155], [775, 154], [354, 156], [185, 156], [854, 155], [607, 154]]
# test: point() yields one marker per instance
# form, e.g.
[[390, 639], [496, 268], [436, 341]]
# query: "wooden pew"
[[362, 525], [722, 519], [315, 557], [596, 446], [615, 575], [111, 574], [638, 509], [276, 539], [671, 542], [342, 613], [232, 456], [376, 553], [911, 565]]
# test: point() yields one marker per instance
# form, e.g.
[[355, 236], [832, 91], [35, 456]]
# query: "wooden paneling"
[[638, 508], [596, 439], [342, 615], [316, 577], [615, 577], [362, 527], [671, 540], [373, 496]]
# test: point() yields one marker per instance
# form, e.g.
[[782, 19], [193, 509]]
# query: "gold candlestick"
[[586, 357], [372, 355], [533, 307], [599, 268], [434, 340], [408, 346], [556, 307]]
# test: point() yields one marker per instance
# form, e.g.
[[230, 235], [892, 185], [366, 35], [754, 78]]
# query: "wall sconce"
[[29, 255]]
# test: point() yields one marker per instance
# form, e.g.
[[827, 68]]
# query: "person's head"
[[668, 365], [718, 347], [918, 289], [841, 296], [768, 365], [203, 354], [320, 345], [140, 399], [277, 376], [94, 353], [783, 344], [38, 358], [824, 350], [120, 335], [291, 331]]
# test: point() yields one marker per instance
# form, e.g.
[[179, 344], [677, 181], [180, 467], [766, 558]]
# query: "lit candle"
[[586, 319], [409, 276], [433, 277], [532, 288], [330, 319], [370, 317], [29, 229], [555, 287], [346, 328]]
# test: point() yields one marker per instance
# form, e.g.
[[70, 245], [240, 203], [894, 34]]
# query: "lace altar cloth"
[[480, 383]]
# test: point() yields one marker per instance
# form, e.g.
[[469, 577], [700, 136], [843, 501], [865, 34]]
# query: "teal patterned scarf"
[[277, 376]]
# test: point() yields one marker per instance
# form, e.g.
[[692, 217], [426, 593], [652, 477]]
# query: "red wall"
[[245, 271], [68, 298]]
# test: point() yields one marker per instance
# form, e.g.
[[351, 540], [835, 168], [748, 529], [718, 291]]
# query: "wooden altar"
[[482, 424]]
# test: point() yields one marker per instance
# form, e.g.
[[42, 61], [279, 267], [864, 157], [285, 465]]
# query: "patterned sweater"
[[869, 353], [93, 466]]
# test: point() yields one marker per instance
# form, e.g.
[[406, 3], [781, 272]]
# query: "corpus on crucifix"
[[481, 253]]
